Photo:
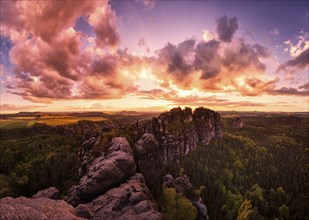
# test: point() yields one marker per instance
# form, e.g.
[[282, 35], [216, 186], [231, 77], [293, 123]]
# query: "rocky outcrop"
[[111, 189], [171, 135], [131, 200], [105, 172], [51, 193], [237, 122], [150, 161], [36, 208], [85, 153], [179, 130], [183, 185]]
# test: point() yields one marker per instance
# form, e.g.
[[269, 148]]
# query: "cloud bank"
[[53, 61]]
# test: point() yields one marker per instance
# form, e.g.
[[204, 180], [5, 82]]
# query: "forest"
[[259, 171]]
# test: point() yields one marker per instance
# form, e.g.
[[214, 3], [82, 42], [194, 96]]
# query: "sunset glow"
[[131, 55]]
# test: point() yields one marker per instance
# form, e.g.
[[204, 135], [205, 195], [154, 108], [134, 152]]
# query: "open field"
[[20, 122]]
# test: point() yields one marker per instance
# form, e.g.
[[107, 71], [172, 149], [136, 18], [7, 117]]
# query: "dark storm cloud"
[[226, 27]]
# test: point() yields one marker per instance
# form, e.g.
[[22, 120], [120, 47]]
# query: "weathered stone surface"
[[36, 208], [51, 193], [105, 172], [179, 130], [84, 155], [131, 200], [150, 161]]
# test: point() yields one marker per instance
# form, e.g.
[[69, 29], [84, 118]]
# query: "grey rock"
[[36, 208], [179, 130], [51, 193], [83, 211], [131, 200], [105, 172], [150, 161]]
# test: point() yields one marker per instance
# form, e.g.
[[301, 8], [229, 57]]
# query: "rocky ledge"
[[36, 208], [110, 189]]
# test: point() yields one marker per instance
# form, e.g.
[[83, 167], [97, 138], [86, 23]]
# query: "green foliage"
[[176, 206], [264, 163], [284, 211], [29, 164], [245, 210]]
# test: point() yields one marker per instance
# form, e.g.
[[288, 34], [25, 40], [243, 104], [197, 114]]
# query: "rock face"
[[111, 189], [179, 131], [85, 153], [105, 172], [237, 122], [36, 208], [183, 185], [131, 200], [51, 193], [150, 161], [171, 135]]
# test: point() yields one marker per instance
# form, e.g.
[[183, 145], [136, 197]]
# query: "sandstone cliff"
[[180, 130]]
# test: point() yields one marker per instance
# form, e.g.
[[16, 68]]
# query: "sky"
[[152, 55]]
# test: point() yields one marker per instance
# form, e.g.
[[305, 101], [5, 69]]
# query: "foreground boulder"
[[131, 200], [51, 193], [105, 172], [36, 208]]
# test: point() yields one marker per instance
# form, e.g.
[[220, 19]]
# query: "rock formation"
[[51, 193], [179, 131], [109, 189], [131, 200], [171, 135], [109, 186], [105, 172], [36, 208]]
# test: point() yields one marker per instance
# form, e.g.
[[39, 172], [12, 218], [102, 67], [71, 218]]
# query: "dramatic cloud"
[[42, 18], [301, 44], [53, 61], [299, 62], [103, 21], [226, 27], [289, 91], [194, 100], [214, 66]]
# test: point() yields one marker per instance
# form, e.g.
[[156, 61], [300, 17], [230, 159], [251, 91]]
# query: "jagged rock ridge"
[[180, 130]]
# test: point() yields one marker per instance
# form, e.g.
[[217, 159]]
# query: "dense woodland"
[[256, 172]]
